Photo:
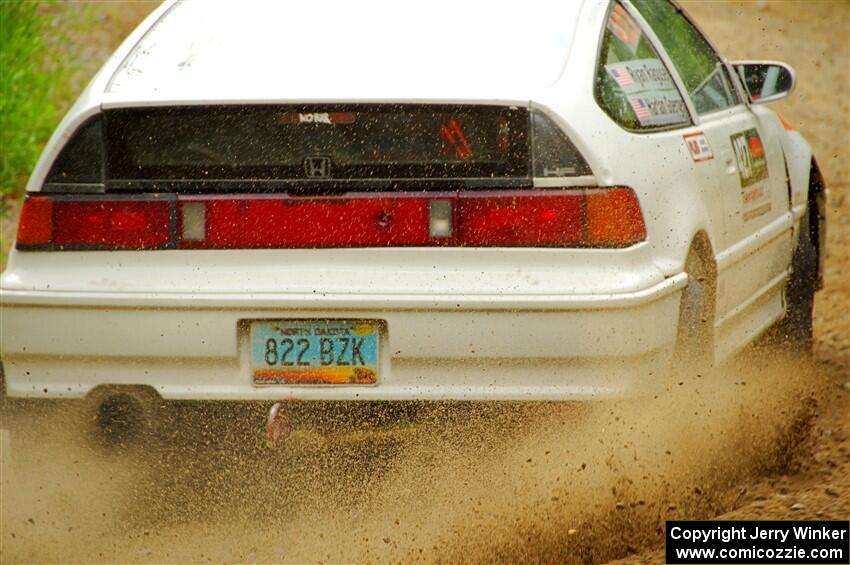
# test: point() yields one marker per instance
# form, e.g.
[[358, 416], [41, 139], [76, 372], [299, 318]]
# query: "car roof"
[[339, 50]]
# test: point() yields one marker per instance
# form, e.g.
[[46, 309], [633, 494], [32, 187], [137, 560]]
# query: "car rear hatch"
[[323, 176]]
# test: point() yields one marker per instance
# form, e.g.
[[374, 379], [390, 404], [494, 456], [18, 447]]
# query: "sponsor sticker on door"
[[698, 146], [749, 152], [752, 172]]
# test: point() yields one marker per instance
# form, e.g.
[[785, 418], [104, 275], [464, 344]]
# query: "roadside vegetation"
[[36, 82], [49, 50]]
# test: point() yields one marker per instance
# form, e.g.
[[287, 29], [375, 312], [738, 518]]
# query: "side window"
[[632, 84], [699, 66]]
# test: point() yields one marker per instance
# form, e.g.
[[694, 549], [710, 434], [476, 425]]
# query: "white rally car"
[[349, 201]]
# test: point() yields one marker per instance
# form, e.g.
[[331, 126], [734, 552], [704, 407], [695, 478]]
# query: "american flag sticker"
[[624, 28], [641, 109], [698, 146], [621, 75]]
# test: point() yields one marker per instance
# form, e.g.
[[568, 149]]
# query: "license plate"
[[314, 352]]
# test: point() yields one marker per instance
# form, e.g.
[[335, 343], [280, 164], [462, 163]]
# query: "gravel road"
[[766, 437]]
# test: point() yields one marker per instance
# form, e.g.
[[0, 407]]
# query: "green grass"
[[35, 83]]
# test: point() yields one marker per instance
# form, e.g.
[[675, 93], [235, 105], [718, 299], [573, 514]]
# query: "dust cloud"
[[432, 482]]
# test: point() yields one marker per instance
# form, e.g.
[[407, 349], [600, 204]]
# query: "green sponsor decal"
[[749, 152]]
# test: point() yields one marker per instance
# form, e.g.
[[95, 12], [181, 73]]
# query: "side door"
[[749, 170]]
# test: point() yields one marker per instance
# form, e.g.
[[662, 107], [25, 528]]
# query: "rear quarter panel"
[[674, 192]]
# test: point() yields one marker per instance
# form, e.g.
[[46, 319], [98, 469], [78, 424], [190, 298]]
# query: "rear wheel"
[[695, 340], [2, 387]]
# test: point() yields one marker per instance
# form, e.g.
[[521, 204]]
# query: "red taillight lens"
[[536, 219], [604, 217], [127, 224], [269, 222], [68, 223], [36, 224], [609, 217]]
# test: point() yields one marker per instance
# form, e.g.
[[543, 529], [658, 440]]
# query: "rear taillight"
[[613, 217], [586, 217], [36, 224], [248, 222], [49, 222], [536, 219]]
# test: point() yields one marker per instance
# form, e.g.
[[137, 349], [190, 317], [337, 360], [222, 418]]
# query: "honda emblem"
[[317, 167]]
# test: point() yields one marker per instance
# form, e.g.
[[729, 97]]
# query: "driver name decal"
[[649, 91]]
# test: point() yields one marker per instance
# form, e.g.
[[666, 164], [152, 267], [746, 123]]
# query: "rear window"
[[317, 143], [633, 86]]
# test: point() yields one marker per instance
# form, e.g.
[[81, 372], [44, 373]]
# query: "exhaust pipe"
[[124, 415]]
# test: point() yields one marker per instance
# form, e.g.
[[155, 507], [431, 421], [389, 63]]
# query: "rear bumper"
[[471, 347]]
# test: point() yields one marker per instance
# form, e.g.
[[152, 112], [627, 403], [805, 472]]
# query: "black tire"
[[794, 332], [2, 387]]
